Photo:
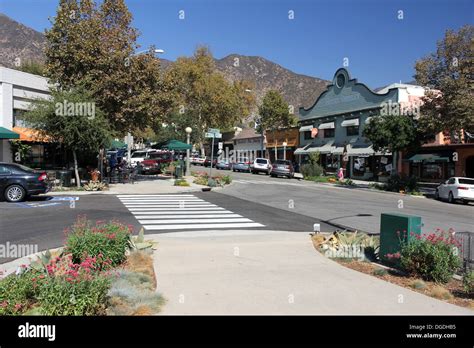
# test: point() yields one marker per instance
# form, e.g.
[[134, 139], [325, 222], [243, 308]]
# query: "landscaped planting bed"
[[96, 273], [424, 264]]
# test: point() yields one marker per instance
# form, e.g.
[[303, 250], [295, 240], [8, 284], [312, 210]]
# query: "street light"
[[188, 154], [158, 51], [284, 150]]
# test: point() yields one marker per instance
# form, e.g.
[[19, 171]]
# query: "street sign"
[[213, 135], [213, 130], [220, 145]]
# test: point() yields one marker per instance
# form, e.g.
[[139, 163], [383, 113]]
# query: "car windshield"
[[261, 161], [283, 162], [466, 181], [139, 154]]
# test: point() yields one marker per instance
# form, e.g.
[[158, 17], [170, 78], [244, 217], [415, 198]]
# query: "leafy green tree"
[[91, 47], [449, 71], [274, 114], [71, 119], [206, 98], [393, 133]]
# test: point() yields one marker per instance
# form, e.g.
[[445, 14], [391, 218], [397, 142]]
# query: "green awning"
[[117, 144], [176, 145], [428, 157], [8, 134]]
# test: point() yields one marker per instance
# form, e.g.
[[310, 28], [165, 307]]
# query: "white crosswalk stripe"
[[182, 212]]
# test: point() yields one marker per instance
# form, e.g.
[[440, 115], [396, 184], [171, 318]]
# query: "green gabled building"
[[333, 127]]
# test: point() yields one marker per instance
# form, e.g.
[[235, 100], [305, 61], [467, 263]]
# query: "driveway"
[[269, 272]]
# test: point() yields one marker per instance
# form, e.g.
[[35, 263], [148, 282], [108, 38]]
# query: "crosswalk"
[[162, 212]]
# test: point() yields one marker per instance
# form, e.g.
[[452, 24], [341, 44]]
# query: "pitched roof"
[[248, 133]]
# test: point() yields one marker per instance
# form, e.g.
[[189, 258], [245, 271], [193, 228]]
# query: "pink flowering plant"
[[75, 282], [433, 257], [106, 241]]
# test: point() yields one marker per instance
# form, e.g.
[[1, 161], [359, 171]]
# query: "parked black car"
[[17, 182]]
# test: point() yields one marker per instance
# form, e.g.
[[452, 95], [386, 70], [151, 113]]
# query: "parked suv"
[[17, 182], [261, 165], [282, 168]]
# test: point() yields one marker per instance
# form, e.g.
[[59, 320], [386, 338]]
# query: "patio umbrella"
[[176, 145]]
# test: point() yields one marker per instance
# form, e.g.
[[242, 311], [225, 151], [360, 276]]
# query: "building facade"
[[17, 90], [334, 126], [282, 143]]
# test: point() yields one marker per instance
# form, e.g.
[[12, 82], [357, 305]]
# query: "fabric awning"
[[31, 135], [8, 134], [360, 151], [328, 125], [300, 151], [306, 128], [323, 149], [176, 145], [428, 157], [350, 123]]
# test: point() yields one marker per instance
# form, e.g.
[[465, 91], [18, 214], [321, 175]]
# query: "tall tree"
[[393, 133], [72, 119], [206, 97], [450, 72], [92, 47], [274, 114]]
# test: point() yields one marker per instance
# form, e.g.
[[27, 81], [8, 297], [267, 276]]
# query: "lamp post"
[[188, 152], [284, 150]]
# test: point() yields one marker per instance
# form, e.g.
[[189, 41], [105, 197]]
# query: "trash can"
[[178, 172], [395, 228], [64, 177]]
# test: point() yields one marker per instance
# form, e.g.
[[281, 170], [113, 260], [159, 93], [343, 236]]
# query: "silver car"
[[282, 168], [261, 165], [242, 165]]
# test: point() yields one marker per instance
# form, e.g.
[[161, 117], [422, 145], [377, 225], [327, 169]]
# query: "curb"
[[10, 267]]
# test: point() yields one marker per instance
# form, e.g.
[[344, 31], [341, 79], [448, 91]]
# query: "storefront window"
[[329, 133], [361, 165], [307, 135], [352, 130], [332, 163]]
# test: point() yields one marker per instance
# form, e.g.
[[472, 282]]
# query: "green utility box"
[[395, 228]]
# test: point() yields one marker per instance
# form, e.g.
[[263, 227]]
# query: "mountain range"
[[19, 43]]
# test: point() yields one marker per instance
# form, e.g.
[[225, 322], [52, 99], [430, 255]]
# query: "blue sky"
[[380, 47]]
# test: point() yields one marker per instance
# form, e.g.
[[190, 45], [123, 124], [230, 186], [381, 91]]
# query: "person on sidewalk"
[[340, 174]]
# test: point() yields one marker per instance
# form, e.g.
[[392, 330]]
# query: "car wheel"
[[268, 173], [451, 197], [272, 175], [465, 202], [436, 196], [15, 193]]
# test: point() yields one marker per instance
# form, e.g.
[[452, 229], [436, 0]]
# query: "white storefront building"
[[17, 89]]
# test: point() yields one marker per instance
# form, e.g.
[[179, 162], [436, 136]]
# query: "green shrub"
[[380, 272], [226, 179], [397, 183], [468, 282], [181, 182], [418, 284], [107, 240], [17, 292], [310, 170], [211, 182], [60, 295], [433, 257], [200, 180]]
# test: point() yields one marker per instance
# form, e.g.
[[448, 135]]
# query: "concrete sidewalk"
[[267, 272], [157, 186]]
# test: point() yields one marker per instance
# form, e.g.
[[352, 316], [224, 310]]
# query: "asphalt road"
[[359, 209], [41, 220]]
